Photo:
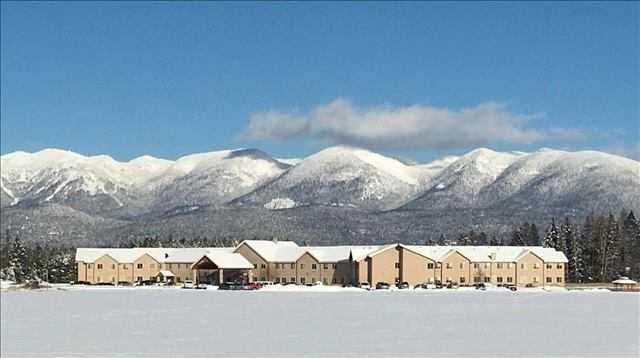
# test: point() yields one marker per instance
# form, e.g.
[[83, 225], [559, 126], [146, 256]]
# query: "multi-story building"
[[286, 262]]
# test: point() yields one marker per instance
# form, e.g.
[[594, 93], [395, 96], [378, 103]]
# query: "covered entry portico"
[[217, 268]]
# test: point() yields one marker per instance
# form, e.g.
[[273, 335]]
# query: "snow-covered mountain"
[[101, 185], [337, 191], [342, 177]]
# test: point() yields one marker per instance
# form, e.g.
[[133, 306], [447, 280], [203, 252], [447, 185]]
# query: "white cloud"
[[411, 127]]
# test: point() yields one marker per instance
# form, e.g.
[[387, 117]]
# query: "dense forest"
[[599, 249]]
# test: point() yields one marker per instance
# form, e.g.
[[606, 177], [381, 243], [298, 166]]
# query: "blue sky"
[[415, 80]]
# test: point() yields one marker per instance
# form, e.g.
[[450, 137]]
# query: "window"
[[559, 266], [314, 266], [449, 266], [397, 265], [293, 280], [549, 266], [293, 266], [325, 266], [334, 266], [487, 279], [486, 265], [462, 280], [99, 266], [548, 279], [139, 278], [475, 265], [509, 265], [430, 266], [461, 265], [558, 279], [89, 266], [535, 279], [536, 266], [522, 266], [113, 266], [476, 279], [263, 278], [255, 266], [263, 266], [125, 267], [284, 280], [277, 266], [301, 266], [499, 279], [499, 265], [509, 279], [302, 280], [139, 266]]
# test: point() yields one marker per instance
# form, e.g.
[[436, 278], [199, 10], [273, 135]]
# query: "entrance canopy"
[[166, 274], [222, 260]]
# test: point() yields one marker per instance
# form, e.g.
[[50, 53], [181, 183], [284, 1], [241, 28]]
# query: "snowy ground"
[[165, 322]]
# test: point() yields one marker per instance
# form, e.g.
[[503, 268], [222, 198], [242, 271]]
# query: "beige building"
[[286, 262]]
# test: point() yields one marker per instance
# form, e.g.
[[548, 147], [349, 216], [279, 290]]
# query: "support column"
[[220, 276], [195, 276]]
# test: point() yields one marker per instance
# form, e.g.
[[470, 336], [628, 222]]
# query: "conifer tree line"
[[599, 249]]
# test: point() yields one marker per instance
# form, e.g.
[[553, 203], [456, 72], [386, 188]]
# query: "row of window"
[[303, 280], [301, 266], [140, 266]]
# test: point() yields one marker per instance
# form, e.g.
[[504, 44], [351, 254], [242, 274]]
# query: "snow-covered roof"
[[625, 281], [330, 253], [228, 260], [489, 253], [166, 273], [275, 251], [160, 254], [359, 253]]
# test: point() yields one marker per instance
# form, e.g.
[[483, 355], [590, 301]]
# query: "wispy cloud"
[[411, 127]]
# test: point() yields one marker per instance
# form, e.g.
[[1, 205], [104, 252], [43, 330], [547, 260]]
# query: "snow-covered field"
[[164, 322]]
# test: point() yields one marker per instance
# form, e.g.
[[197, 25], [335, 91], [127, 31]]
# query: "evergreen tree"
[[517, 238], [631, 244], [552, 237], [18, 261], [482, 239], [441, 240], [569, 239], [533, 237], [611, 267]]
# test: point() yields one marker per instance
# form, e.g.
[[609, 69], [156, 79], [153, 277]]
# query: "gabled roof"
[[227, 260], [359, 253], [160, 254], [488, 253], [275, 251], [329, 253]]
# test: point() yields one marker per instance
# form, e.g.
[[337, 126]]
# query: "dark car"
[[480, 286], [510, 287], [382, 286], [231, 286], [403, 285]]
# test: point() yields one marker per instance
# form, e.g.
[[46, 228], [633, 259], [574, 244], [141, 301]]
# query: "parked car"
[[529, 285], [264, 283], [233, 286], [403, 285], [254, 286], [365, 285], [480, 286], [382, 286], [188, 284], [452, 284], [426, 286], [510, 287]]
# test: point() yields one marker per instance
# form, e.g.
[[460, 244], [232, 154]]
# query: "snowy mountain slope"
[[344, 177], [460, 182], [215, 178], [585, 180], [101, 185]]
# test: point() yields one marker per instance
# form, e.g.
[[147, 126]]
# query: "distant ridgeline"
[[599, 249], [340, 195]]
